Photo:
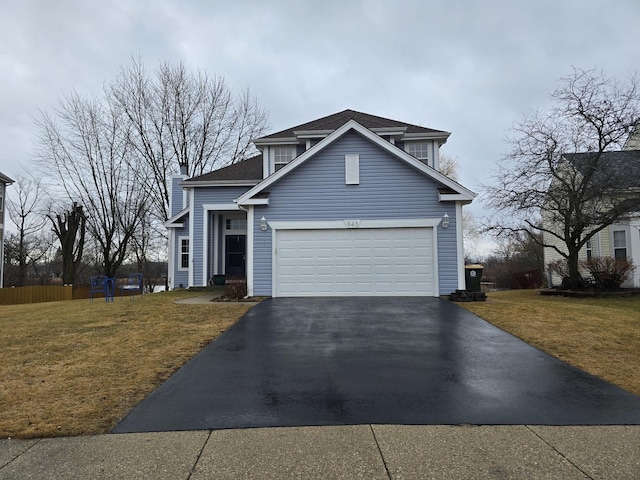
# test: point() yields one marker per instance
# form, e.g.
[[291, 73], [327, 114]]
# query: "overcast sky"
[[468, 67]]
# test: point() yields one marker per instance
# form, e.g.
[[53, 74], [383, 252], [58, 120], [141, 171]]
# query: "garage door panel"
[[381, 261]]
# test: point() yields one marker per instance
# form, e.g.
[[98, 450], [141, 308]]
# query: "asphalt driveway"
[[368, 360]]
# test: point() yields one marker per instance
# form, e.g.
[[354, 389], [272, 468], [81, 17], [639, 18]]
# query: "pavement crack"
[[384, 462], [195, 464], [20, 454], [559, 453]]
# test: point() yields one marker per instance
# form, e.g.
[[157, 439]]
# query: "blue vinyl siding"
[[177, 196], [388, 189]]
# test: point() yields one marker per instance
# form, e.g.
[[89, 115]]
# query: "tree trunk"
[[575, 279]]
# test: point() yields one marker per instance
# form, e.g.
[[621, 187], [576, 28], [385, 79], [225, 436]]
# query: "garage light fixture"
[[263, 224], [445, 221]]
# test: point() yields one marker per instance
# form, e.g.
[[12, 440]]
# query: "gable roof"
[[5, 179], [249, 170], [332, 122], [461, 193], [620, 169]]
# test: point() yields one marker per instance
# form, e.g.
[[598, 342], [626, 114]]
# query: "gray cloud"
[[469, 67]]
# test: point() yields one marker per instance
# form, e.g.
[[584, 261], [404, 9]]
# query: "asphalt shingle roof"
[[335, 121], [249, 169], [619, 169]]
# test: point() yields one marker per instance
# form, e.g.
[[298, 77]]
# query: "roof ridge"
[[335, 120]]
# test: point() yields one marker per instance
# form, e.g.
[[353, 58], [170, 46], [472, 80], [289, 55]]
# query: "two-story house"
[[620, 240], [4, 181], [348, 204]]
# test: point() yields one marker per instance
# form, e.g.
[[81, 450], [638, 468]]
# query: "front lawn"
[[75, 368], [598, 335]]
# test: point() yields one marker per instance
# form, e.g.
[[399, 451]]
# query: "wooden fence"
[[35, 294]]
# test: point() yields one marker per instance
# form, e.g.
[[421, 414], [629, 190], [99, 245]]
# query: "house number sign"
[[352, 223]]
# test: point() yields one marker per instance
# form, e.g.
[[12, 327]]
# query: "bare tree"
[[183, 121], [84, 147], [70, 228], [559, 169], [24, 212]]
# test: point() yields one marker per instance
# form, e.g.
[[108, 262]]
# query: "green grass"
[[598, 335]]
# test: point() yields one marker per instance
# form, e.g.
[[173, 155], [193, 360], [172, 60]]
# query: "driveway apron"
[[374, 360]]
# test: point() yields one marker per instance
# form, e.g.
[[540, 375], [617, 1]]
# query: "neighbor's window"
[[184, 253], [1, 197], [620, 244], [589, 247], [418, 150], [282, 156]]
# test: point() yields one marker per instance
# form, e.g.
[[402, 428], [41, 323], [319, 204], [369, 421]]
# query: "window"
[[235, 224], [1, 197], [620, 244], [418, 150], [184, 253], [589, 247], [282, 156]]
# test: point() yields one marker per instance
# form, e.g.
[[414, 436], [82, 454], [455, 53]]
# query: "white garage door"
[[377, 261]]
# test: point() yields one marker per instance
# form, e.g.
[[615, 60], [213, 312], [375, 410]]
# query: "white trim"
[[180, 268], [353, 125], [220, 206], [205, 246], [185, 193], [460, 245], [190, 277], [216, 241], [257, 201], [265, 162], [219, 183], [275, 141], [171, 261], [436, 261], [362, 224], [452, 197], [340, 224], [172, 222], [249, 258]]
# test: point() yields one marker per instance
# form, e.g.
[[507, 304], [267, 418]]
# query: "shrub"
[[559, 267], [608, 272], [235, 287]]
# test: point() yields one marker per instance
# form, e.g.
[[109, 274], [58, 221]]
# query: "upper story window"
[[420, 150], [282, 156], [620, 244], [1, 197], [589, 248]]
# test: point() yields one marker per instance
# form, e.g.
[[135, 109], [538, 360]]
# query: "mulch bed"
[[623, 292], [225, 298]]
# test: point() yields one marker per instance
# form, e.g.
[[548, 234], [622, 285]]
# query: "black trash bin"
[[472, 277]]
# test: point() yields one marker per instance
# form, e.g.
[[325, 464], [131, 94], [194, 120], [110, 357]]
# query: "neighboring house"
[[349, 204], [620, 240], [4, 181]]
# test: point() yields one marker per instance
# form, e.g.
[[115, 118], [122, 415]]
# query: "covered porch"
[[225, 248]]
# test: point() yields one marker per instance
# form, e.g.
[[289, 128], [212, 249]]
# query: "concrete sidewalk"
[[361, 451]]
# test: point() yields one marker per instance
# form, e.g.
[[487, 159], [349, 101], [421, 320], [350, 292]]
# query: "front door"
[[235, 256]]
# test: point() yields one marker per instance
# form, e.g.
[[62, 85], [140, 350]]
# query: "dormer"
[[282, 147]]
